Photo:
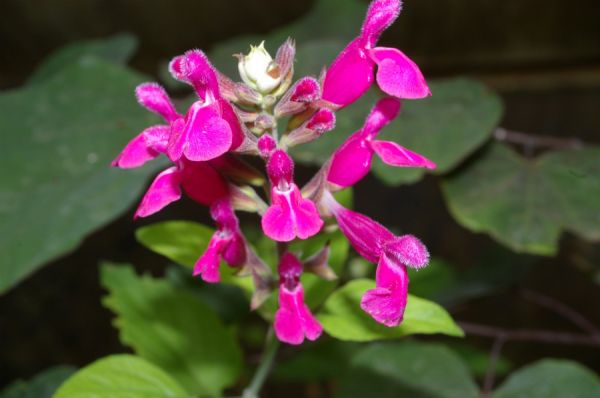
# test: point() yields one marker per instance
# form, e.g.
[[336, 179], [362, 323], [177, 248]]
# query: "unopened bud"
[[259, 71]]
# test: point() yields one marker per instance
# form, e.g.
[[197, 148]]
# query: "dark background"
[[542, 56]]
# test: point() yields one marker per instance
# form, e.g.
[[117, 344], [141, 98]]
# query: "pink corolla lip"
[[204, 135], [164, 190], [352, 72], [293, 320], [290, 215], [227, 243], [352, 160]]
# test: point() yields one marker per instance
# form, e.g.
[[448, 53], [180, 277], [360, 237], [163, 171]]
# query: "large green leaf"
[[121, 376], [180, 241], [407, 369], [58, 138], [118, 49], [551, 378], [42, 385], [525, 203], [343, 318], [172, 329], [447, 127]]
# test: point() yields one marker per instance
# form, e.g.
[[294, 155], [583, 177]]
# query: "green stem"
[[266, 362]]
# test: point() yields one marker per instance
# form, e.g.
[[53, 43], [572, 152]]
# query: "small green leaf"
[[172, 329], [343, 318], [525, 203], [43, 385], [550, 378], [121, 376], [407, 369], [180, 241], [117, 49], [58, 139]]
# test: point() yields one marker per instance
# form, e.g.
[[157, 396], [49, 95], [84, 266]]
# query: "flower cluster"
[[230, 121]]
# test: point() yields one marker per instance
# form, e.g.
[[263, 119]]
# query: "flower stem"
[[266, 362]]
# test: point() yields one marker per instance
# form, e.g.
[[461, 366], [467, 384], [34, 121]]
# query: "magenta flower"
[[211, 126], [227, 243], [351, 73], [352, 160], [290, 215], [385, 303], [293, 319]]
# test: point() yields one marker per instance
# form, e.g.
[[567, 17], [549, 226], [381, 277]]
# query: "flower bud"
[[258, 70]]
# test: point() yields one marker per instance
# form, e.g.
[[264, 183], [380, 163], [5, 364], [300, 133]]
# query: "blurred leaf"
[[43, 385], [226, 300], [172, 329], [550, 378], [58, 138], [478, 360], [430, 281], [343, 318], [180, 241], [525, 203], [447, 127], [324, 359], [407, 369], [333, 19], [118, 49], [121, 376]]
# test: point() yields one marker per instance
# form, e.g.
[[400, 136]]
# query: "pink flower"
[[351, 73], [290, 215], [385, 303], [194, 68], [227, 243], [352, 160], [293, 319]]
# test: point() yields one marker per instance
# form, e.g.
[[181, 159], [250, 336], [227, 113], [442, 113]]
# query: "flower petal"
[[293, 319], [384, 111], [381, 14], [163, 191], [386, 303], [207, 265], [146, 146], [308, 221], [396, 155], [153, 97], [349, 76], [203, 183], [277, 222], [397, 75], [350, 162], [408, 250]]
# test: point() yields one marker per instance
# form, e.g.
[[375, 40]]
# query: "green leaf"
[[323, 360], [447, 127], [329, 19], [525, 203], [121, 376], [407, 369], [180, 241], [58, 138], [173, 330], [551, 378], [43, 385], [343, 318], [478, 360], [118, 49]]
